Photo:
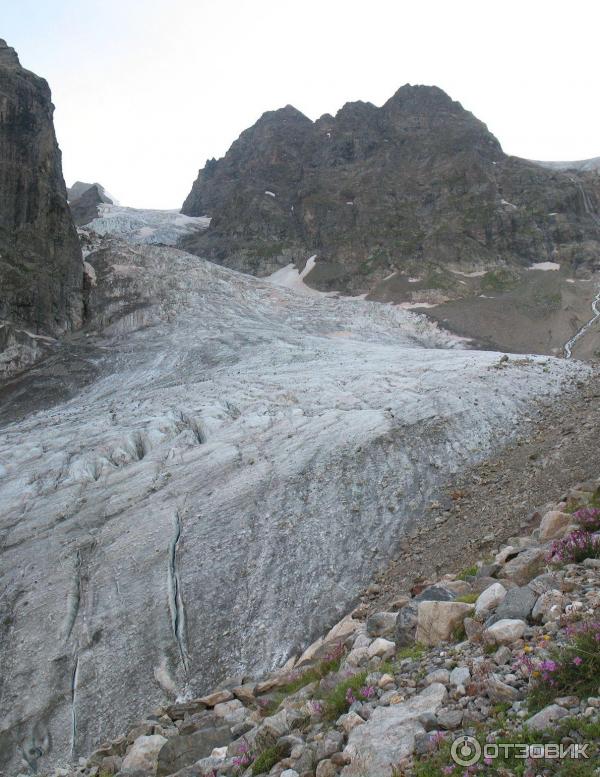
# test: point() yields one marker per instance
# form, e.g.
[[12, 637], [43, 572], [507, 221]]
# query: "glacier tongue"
[[243, 462]]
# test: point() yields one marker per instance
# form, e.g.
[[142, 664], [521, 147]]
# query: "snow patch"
[[291, 278], [414, 305], [545, 266], [270, 194]]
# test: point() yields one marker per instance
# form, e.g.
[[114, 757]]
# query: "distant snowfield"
[[146, 226], [246, 459]]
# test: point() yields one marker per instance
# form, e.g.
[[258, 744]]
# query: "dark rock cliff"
[[418, 181], [84, 206], [40, 257]]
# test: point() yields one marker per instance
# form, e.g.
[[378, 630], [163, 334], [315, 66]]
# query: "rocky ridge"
[[490, 653], [41, 270], [412, 203], [415, 185]]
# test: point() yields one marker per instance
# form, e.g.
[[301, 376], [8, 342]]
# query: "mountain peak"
[[287, 113], [419, 98], [8, 56]]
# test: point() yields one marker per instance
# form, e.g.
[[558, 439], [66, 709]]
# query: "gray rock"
[[381, 624], [460, 675], [182, 751], [518, 603], [449, 719], [502, 656], [499, 691], [438, 676], [545, 582], [544, 718], [390, 733], [524, 566], [505, 631], [407, 617], [144, 754]]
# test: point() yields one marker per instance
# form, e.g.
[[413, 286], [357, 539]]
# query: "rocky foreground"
[[506, 651]]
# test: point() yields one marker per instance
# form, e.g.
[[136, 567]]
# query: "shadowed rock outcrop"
[[40, 257], [84, 207]]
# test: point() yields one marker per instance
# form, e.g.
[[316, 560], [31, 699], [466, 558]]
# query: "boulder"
[[381, 624], [549, 607], [381, 647], [326, 768], [489, 599], [500, 691], [437, 621], [389, 734], [544, 718], [518, 603], [460, 675], [179, 752], [505, 631], [554, 525], [143, 755], [523, 567], [406, 620], [218, 697], [449, 719]]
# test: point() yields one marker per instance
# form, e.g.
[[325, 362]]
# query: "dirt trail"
[[498, 499]]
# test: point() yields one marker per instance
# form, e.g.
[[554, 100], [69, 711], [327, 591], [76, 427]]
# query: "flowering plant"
[[569, 669], [588, 518], [574, 548]]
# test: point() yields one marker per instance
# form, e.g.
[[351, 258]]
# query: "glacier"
[[239, 462], [145, 226]]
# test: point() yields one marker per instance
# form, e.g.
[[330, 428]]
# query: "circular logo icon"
[[465, 751]]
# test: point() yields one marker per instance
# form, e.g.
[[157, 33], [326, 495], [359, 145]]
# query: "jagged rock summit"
[[84, 199], [80, 187], [418, 182], [41, 268]]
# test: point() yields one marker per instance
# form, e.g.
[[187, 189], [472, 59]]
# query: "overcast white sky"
[[147, 90]]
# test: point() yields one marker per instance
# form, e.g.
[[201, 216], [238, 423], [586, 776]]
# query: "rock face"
[[79, 188], [41, 269], [84, 206], [415, 185]]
